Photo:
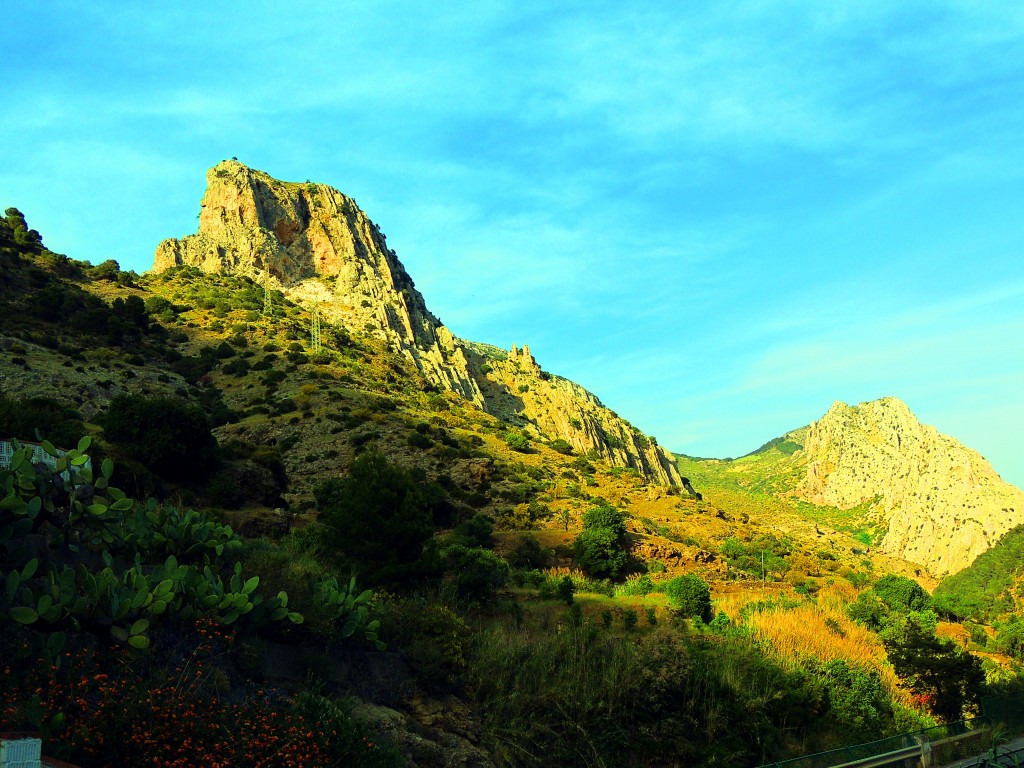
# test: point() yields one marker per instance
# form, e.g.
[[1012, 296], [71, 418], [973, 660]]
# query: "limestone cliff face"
[[944, 504], [297, 235], [315, 243], [519, 391]]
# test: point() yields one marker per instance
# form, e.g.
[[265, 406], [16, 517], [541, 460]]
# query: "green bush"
[[901, 594], [606, 517], [857, 700], [527, 553], [517, 441], [474, 532], [561, 446], [172, 438], [472, 574], [690, 596], [600, 553], [37, 418], [1010, 639], [600, 548], [377, 517]]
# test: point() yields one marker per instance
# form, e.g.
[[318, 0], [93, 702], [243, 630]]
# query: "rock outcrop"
[[942, 502], [316, 245], [517, 390], [320, 248]]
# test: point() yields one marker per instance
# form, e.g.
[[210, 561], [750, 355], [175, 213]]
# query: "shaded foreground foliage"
[[583, 696], [119, 627]]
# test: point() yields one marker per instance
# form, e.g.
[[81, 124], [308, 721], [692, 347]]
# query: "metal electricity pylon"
[[315, 330]]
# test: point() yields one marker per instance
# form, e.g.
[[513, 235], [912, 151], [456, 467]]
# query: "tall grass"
[[810, 631], [581, 696]]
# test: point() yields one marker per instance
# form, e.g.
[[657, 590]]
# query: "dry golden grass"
[[809, 630], [836, 596], [824, 633]]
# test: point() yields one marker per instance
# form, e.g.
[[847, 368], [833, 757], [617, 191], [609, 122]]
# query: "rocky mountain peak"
[[316, 244], [942, 503]]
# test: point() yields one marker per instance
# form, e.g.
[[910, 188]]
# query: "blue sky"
[[718, 216]]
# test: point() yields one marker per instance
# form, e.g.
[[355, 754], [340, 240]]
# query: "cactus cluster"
[[58, 523], [349, 610]]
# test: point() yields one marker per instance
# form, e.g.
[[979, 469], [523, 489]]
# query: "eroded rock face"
[[943, 502], [517, 390], [315, 243], [293, 236]]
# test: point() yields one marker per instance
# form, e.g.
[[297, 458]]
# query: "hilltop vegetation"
[[514, 602]]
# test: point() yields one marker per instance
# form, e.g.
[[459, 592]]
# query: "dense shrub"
[[474, 532], [600, 549], [37, 418], [527, 553], [690, 596], [600, 553], [517, 441], [472, 574], [377, 517], [901, 594], [171, 437]]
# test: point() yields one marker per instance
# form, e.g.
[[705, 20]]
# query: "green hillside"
[[761, 484], [991, 587], [304, 554]]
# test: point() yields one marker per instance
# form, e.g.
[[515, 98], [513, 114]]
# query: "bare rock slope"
[[315, 243], [943, 503]]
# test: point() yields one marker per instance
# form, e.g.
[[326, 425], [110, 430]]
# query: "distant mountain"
[[943, 504], [918, 494], [315, 244]]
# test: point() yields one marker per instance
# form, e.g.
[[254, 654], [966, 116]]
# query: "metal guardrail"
[[918, 749]]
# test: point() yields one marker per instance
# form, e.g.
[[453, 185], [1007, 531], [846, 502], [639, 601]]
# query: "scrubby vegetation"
[[991, 586], [326, 575]]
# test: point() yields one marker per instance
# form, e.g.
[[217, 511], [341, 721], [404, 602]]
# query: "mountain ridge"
[[914, 492], [314, 243]]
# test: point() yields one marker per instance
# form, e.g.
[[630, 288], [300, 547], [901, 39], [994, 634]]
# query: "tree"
[[857, 699], [526, 552], [560, 445], [599, 552], [170, 437], [600, 549], [377, 517], [28, 239], [947, 679], [37, 417], [608, 517], [690, 596], [473, 573], [902, 594]]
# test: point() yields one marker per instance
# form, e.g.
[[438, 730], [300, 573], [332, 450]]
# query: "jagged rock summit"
[[286, 233], [315, 243], [942, 502]]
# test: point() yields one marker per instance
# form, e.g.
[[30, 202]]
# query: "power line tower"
[[315, 330]]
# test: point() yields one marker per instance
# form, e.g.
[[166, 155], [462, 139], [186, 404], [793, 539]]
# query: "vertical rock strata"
[[943, 503], [517, 390], [287, 233], [315, 243]]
